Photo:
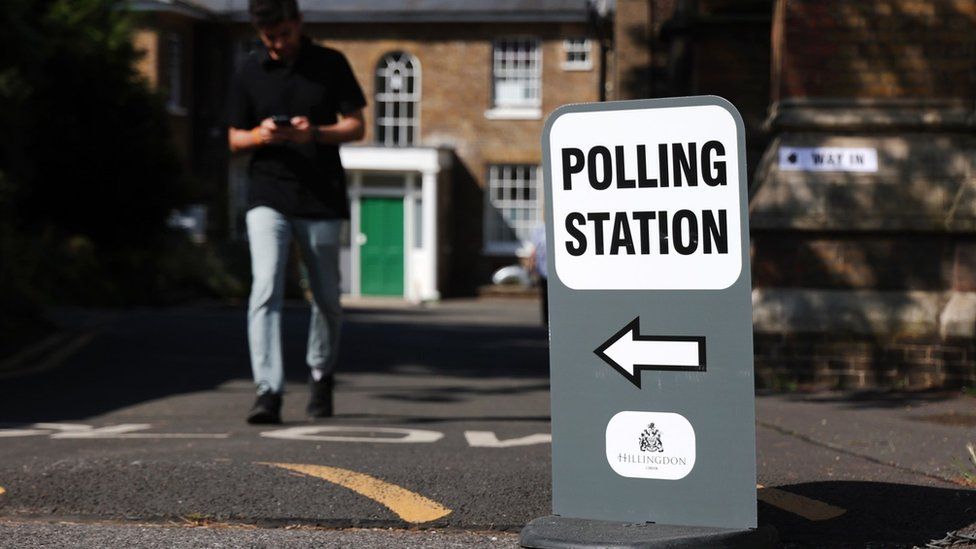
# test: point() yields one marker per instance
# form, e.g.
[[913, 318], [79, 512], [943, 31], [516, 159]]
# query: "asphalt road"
[[440, 440]]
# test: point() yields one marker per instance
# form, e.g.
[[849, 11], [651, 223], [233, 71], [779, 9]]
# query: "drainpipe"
[[600, 15]]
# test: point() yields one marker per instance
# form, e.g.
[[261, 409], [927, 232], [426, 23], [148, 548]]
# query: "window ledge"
[[514, 113], [577, 67]]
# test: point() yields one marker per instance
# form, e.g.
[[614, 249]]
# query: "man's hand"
[[302, 131], [269, 133]]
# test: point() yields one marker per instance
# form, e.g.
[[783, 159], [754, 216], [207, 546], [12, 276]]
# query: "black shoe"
[[320, 402], [266, 409]]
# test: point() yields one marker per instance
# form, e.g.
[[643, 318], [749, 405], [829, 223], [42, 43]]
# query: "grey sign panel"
[[653, 412]]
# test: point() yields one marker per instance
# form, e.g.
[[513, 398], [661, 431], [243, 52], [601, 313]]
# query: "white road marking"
[[11, 433], [488, 439], [356, 434], [82, 431]]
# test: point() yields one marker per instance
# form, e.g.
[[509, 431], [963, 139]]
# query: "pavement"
[[128, 432]]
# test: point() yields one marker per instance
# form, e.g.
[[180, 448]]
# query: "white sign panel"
[[828, 159], [646, 199]]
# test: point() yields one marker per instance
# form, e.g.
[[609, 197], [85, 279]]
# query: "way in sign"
[[648, 232]]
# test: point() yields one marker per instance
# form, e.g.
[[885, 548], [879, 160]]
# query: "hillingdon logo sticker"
[[656, 445]]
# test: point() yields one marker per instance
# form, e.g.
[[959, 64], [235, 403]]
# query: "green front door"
[[381, 256]]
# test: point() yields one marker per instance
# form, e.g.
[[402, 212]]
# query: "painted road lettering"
[[336, 433], [82, 431], [309, 433]]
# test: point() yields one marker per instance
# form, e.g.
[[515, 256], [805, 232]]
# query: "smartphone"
[[282, 120]]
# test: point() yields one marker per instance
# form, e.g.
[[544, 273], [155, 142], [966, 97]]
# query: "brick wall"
[[154, 66], [876, 48], [146, 41], [830, 361]]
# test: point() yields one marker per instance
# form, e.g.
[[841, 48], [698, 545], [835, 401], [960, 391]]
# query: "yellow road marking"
[[408, 505], [807, 508]]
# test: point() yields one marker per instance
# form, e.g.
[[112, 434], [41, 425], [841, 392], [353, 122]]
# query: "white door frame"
[[421, 168]]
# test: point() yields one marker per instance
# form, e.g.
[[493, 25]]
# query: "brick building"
[[446, 185], [864, 274]]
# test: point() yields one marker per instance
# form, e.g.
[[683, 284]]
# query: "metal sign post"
[[653, 404]]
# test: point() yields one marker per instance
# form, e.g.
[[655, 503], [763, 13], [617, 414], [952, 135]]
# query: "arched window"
[[397, 100]]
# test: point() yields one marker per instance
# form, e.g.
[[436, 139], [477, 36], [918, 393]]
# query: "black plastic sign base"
[[555, 532]]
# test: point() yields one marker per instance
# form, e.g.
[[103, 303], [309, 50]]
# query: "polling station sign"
[[652, 207], [650, 313]]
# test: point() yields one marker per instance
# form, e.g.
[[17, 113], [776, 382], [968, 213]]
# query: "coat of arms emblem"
[[650, 440]]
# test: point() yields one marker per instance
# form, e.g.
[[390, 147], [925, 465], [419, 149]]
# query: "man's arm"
[[244, 140], [350, 127]]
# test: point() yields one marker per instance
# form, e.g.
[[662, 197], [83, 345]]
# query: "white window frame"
[[393, 65], [519, 213], [579, 46], [518, 62], [175, 58]]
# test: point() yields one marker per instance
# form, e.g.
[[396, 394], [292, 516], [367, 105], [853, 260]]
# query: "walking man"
[[292, 104]]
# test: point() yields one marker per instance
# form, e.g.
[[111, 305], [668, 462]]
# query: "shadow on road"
[[149, 354], [877, 514]]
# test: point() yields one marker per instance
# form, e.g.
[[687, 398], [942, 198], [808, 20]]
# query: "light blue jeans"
[[269, 233]]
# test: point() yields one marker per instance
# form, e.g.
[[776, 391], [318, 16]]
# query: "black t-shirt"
[[297, 180]]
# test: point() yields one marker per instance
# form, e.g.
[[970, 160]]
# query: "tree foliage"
[[84, 143], [88, 172]]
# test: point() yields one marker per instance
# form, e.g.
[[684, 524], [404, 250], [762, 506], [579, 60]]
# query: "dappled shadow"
[[877, 514], [138, 356]]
